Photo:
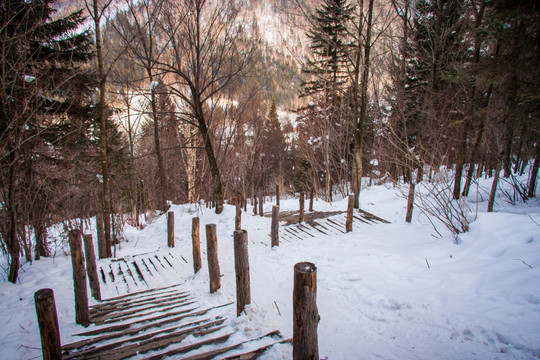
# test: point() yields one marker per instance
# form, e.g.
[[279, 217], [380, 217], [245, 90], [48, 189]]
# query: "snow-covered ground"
[[385, 291]]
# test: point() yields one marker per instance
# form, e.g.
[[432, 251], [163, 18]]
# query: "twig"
[[277, 307], [523, 262], [427, 263], [533, 220]]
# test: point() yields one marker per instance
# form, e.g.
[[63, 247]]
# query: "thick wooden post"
[[311, 194], [102, 247], [255, 204], [301, 213], [170, 229], [238, 218], [197, 262], [277, 195], [241, 267], [261, 203], [79, 278], [48, 324], [349, 221], [274, 232], [213, 263], [305, 312], [91, 268]]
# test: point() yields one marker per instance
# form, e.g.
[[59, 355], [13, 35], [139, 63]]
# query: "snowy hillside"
[[385, 291]]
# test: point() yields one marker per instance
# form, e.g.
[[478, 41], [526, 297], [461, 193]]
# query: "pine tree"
[[43, 88], [329, 45], [273, 144]]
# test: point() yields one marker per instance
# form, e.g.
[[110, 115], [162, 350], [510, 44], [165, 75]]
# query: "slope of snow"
[[388, 291]]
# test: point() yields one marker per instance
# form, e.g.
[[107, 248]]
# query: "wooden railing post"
[[301, 213], [311, 195], [213, 263], [305, 312], [241, 267], [79, 278], [274, 231], [102, 247], [91, 268], [48, 324], [197, 262], [255, 204], [277, 195], [238, 217], [170, 229], [349, 221]]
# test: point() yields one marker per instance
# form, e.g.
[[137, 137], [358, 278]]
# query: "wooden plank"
[[185, 349], [134, 294], [212, 353], [305, 229], [153, 344], [119, 304], [255, 353], [362, 220], [169, 316], [112, 319], [146, 342], [335, 225], [131, 331], [127, 310], [369, 215]]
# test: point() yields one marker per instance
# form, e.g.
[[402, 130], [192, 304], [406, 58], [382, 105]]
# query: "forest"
[[116, 109]]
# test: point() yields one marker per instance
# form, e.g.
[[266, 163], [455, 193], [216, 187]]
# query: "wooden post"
[[79, 278], [197, 262], [301, 214], [238, 218], [274, 232], [91, 268], [48, 324], [349, 221], [170, 229], [102, 247], [305, 312], [241, 267], [311, 194], [261, 203], [213, 263], [277, 195], [255, 204]]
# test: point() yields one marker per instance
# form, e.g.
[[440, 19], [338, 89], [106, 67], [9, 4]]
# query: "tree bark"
[[305, 312], [91, 267], [410, 202], [170, 229], [493, 191], [48, 324], [534, 173], [301, 210], [79, 278], [349, 221], [197, 262], [241, 267], [274, 232], [213, 262], [238, 217]]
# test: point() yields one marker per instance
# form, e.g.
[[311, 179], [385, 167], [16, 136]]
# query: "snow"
[[389, 291]]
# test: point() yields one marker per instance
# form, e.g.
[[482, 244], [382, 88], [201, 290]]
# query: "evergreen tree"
[[273, 144], [42, 106], [329, 45]]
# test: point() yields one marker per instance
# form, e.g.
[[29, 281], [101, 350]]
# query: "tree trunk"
[[410, 202], [534, 173], [493, 191], [162, 176]]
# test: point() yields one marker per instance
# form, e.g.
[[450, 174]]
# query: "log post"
[[255, 204], [170, 229], [197, 262], [48, 324], [301, 213], [274, 232], [349, 221], [261, 203], [102, 247], [79, 278], [241, 267], [311, 195], [305, 312], [238, 218], [213, 263], [91, 268], [277, 195]]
